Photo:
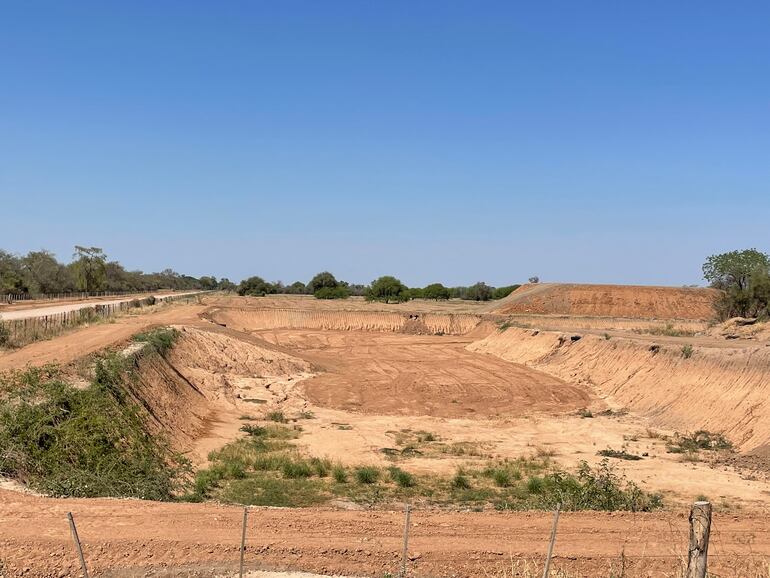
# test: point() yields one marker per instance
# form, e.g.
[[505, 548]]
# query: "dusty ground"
[[391, 374], [505, 393], [121, 534]]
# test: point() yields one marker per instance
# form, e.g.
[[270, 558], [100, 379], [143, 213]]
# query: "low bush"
[[460, 481], [619, 454], [253, 430], [402, 478], [161, 340], [276, 416], [700, 440], [84, 442], [367, 475], [340, 474]]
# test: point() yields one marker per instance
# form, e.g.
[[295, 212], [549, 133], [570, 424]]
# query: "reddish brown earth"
[[627, 301], [515, 390], [35, 540], [387, 374]]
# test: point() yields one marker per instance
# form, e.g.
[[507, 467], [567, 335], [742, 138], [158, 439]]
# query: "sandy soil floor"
[[387, 374]]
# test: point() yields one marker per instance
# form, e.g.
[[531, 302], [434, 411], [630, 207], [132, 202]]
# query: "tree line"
[[39, 273], [387, 289]]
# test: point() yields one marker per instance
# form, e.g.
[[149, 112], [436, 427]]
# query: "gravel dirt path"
[[116, 534]]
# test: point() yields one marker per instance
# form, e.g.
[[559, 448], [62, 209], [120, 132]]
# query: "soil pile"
[[635, 302]]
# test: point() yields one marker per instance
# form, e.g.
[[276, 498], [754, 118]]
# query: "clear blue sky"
[[435, 140]]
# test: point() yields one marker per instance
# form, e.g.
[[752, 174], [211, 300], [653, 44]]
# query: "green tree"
[[501, 292], [255, 286], [387, 289], [744, 276], [90, 264], [208, 283], [322, 280], [479, 292], [435, 291], [296, 288], [226, 285], [12, 277], [338, 292], [46, 274], [734, 269]]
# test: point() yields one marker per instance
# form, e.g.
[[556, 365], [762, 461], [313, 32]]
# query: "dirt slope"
[[402, 322], [630, 301], [719, 389]]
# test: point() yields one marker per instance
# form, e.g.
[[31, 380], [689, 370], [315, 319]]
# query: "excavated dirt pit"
[[363, 379], [502, 394]]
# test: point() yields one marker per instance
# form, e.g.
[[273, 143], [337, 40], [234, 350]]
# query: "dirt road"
[[144, 535], [38, 310], [84, 341]]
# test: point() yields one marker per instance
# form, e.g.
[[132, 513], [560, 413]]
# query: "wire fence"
[[691, 561], [18, 332], [14, 297]]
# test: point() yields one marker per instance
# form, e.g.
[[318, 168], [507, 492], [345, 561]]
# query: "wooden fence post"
[[700, 530], [243, 539], [405, 552], [547, 567], [76, 539]]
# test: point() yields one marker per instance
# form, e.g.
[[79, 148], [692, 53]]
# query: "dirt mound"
[[412, 323], [718, 389], [635, 302], [204, 376], [741, 328]]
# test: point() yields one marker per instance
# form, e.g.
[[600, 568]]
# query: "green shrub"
[[321, 466], [501, 477], [700, 440], [460, 481], [254, 430], [367, 475], [86, 442], [161, 340], [402, 478], [340, 474], [535, 485], [276, 416], [687, 351], [618, 454], [296, 469]]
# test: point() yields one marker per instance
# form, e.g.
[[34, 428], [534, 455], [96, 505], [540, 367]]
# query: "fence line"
[[22, 331], [700, 530], [13, 297]]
